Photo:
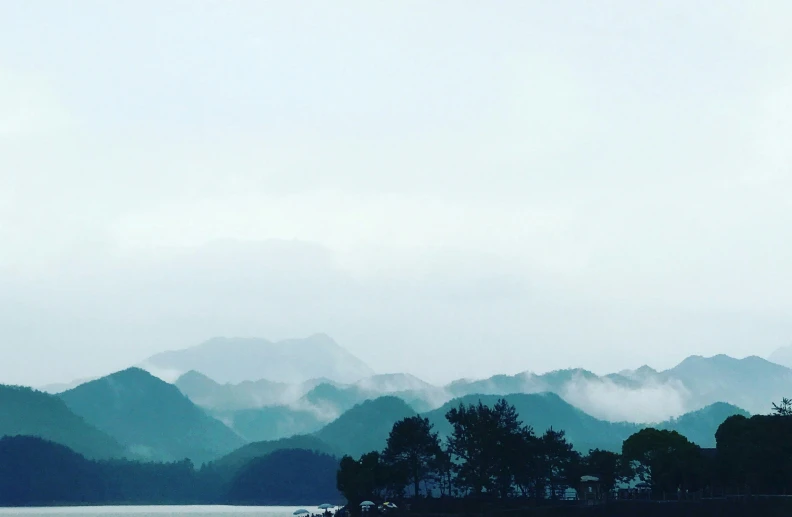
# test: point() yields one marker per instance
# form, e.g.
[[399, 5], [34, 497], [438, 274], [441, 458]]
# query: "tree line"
[[491, 454]]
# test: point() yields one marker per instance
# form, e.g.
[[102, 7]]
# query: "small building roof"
[[585, 479]]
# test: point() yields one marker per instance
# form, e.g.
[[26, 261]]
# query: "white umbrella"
[[326, 506], [301, 511], [367, 503]]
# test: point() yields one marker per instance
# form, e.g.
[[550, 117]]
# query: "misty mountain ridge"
[[642, 395], [208, 393], [235, 360], [152, 420], [300, 403]]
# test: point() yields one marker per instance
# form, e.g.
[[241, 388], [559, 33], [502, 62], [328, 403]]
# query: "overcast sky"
[[448, 188]]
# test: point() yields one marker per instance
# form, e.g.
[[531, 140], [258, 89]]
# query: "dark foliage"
[[34, 471], [755, 454], [301, 476], [490, 455], [414, 449], [665, 460]]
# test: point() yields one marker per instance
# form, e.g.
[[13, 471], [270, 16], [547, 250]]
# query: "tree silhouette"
[[755, 453], [784, 408], [666, 460], [484, 442], [561, 461], [413, 447], [605, 465]]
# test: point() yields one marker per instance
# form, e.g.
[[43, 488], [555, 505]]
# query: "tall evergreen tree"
[[414, 448]]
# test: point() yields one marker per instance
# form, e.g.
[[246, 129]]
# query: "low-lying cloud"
[[605, 399]]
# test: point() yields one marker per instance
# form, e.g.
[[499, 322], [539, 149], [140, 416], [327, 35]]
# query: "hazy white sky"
[[448, 188]]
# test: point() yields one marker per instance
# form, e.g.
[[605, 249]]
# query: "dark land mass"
[[36, 472], [235, 460]]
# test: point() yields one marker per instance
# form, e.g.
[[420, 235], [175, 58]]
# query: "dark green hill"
[[366, 426], [286, 476], [699, 426], [24, 411], [238, 458], [36, 471], [151, 417]]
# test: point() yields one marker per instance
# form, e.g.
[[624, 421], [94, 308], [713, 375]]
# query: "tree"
[[784, 408], [529, 466], [561, 461], [664, 459], [756, 453], [413, 447], [486, 441], [605, 465], [443, 471], [366, 478]]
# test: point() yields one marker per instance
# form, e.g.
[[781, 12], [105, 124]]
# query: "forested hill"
[[151, 417], [238, 458], [24, 411], [365, 427]]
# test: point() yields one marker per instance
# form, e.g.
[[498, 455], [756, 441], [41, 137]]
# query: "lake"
[[157, 511]]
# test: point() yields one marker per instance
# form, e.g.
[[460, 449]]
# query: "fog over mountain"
[[642, 395]]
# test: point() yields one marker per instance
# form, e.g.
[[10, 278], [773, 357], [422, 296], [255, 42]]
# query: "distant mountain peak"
[[723, 360], [393, 383], [194, 375], [782, 356], [234, 360]]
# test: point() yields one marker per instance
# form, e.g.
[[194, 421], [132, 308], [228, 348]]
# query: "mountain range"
[[136, 415], [643, 395], [338, 409]]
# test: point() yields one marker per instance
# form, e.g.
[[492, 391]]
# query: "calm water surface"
[[157, 511]]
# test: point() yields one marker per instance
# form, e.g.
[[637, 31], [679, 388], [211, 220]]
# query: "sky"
[[447, 188]]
